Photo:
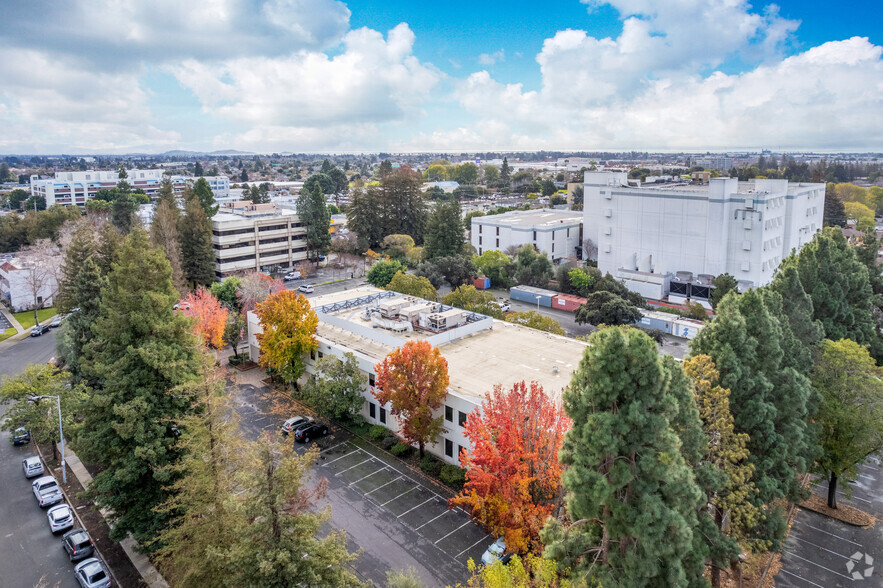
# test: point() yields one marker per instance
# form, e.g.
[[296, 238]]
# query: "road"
[[16, 355]]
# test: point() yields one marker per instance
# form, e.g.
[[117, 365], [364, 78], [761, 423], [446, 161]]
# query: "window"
[[449, 448], [313, 354], [553, 235], [321, 355], [459, 450], [498, 231], [568, 232], [534, 235], [217, 233], [479, 240], [382, 415], [272, 228], [498, 243], [370, 379], [553, 246], [449, 414], [372, 410], [479, 229], [461, 418]]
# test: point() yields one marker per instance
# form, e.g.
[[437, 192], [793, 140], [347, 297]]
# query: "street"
[[16, 355]]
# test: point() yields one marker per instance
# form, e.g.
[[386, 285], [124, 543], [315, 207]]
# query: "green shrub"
[[378, 432], [389, 442], [453, 475], [430, 465], [400, 449]]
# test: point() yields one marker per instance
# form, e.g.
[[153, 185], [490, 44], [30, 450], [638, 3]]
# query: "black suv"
[[308, 431], [77, 544]]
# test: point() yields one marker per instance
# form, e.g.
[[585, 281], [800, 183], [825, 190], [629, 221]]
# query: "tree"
[[198, 170], [504, 175], [197, 253], [834, 214], [491, 174], [314, 215], [607, 308], [42, 275], [412, 286], [322, 180], [227, 292], [209, 317], [858, 212], [336, 387], [535, 320], [289, 332], [84, 293], [164, 233], [453, 269], [444, 234], [723, 284], [632, 498], [243, 177], [81, 246], [414, 380], [548, 187], [532, 267], [203, 193], [123, 213], [382, 272], [397, 206], [254, 288], [851, 411], [474, 300], [495, 265], [139, 360], [513, 476], [397, 246], [527, 572]]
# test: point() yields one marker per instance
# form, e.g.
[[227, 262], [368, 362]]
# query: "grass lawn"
[[27, 318], [7, 333]]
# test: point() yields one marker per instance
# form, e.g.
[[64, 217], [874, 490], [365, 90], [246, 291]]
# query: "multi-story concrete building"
[[481, 352], [69, 188], [261, 237], [721, 162], [679, 235], [554, 232]]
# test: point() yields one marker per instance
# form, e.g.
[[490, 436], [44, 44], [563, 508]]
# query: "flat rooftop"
[[478, 359], [533, 219]]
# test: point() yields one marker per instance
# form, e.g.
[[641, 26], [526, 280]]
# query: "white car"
[[46, 491], [91, 574], [306, 289], [291, 276], [505, 307], [61, 518], [494, 552], [32, 466]]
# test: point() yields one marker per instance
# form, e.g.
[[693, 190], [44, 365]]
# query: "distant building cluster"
[[715, 162]]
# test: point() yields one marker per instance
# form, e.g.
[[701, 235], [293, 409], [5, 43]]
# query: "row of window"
[[273, 228], [230, 232], [233, 245], [449, 416]]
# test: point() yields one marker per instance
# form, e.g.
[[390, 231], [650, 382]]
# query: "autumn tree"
[[42, 274], [529, 571], [289, 332], [336, 387], [209, 316], [537, 321], [513, 476], [474, 300], [397, 246], [255, 287], [414, 380], [412, 286], [851, 412]]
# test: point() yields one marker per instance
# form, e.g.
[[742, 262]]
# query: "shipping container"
[[530, 294], [482, 283], [658, 321], [687, 328], [567, 302]]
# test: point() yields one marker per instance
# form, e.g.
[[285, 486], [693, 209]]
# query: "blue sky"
[[331, 76]]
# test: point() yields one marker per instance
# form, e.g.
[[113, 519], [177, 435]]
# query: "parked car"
[[494, 552], [306, 289], [61, 518], [33, 466], [56, 322], [46, 491], [291, 276], [294, 422], [39, 330], [90, 573], [21, 436], [78, 544], [308, 431], [505, 307]]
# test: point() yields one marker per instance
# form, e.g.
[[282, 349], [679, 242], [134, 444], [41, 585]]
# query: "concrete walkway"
[[150, 574], [12, 321]]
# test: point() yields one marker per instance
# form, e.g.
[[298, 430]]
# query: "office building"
[[481, 352], [553, 232], [248, 236], [675, 237]]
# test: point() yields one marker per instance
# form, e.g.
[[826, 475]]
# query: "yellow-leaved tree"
[[289, 332]]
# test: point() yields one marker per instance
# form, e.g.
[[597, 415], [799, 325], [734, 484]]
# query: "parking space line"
[[368, 476], [833, 535], [820, 566], [379, 487], [485, 538], [454, 531], [802, 578], [400, 495], [355, 466], [335, 447], [820, 547], [410, 509], [430, 520], [341, 457]]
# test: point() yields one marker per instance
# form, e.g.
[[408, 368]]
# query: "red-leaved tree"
[[255, 287], [210, 316], [513, 477], [414, 380]]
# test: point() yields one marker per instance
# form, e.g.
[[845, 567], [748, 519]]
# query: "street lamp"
[[538, 302], [60, 431]]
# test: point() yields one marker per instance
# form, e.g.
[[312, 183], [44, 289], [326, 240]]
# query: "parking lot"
[[823, 552]]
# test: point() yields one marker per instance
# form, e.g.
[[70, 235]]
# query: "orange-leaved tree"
[[254, 287], [210, 316], [414, 380], [513, 477], [289, 332]]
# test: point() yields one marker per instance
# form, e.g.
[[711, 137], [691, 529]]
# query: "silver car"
[[61, 518], [91, 574], [32, 466], [46, 491]]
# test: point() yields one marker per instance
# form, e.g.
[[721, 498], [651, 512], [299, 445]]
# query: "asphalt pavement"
[[15, 356]]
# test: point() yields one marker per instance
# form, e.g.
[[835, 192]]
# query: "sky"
[[326, 76]]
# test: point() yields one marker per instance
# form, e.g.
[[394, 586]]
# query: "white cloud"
[[492, 58]]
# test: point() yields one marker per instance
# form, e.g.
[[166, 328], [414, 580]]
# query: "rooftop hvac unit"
[[749, 203], [684, 276]]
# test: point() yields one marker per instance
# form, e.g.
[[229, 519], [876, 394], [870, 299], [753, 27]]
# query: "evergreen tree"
[[314, 215], [140, 358], [206, 197], [80, 248], [505, 174], [164, 233], [123, 213], [108, 244], [631, 496], [196, 245], [197, 170], [444, 231], [84, 293], [722, 283], [834, 214], [797, 309]]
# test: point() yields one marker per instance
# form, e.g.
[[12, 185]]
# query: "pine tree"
[[108, 244], [198, 256], [141, 356], [631, 496], [314, 215], [444, 234], [85, 294], [81, 247], [206, 197]]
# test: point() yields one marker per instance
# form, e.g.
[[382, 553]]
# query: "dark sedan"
[[308, 431], [39, 330]]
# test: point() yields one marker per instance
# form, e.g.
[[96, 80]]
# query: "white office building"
[[481, 352], [719, 162], [261, 237], [554, 232], [678, 236], [68, 188]]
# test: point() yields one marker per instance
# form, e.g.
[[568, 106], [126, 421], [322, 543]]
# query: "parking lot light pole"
[[60, 434]]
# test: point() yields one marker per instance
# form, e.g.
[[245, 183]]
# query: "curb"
[[824, 514]]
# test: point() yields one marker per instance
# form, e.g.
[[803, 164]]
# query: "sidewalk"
[[150, 574], [12, 321]]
